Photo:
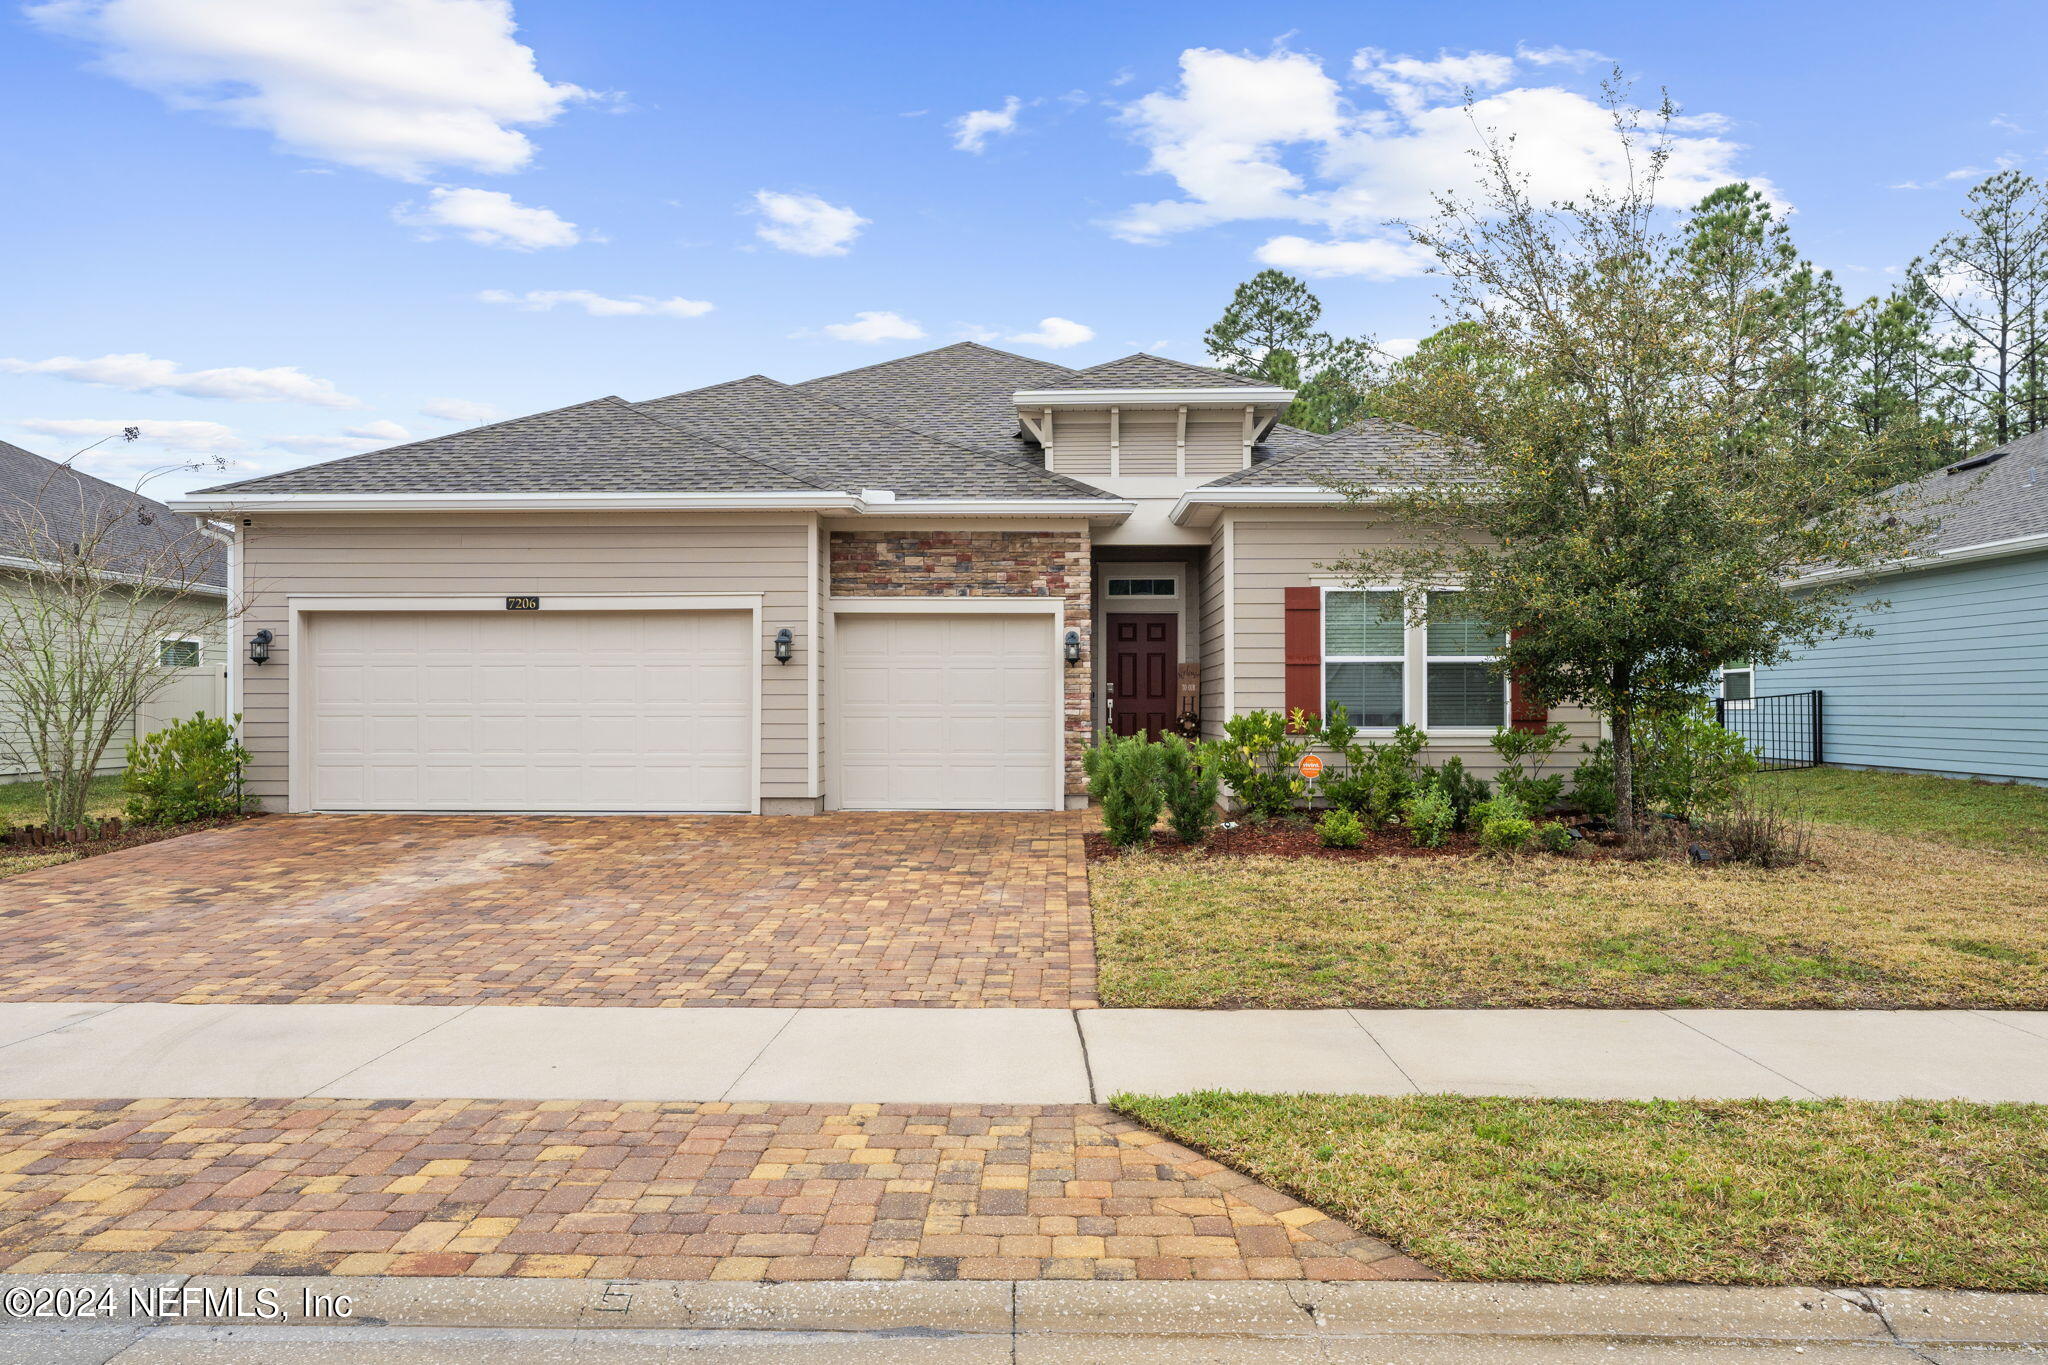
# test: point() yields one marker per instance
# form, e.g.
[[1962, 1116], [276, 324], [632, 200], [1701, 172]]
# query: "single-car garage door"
[[945, 712], [529, 711]]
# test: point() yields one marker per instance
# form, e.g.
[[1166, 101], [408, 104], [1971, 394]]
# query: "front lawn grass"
[[2011, 816], [1880, 921], [21, 803], [1830, 1192]]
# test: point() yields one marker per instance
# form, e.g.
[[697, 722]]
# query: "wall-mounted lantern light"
[[785, 642], [1073, 650], [259, 647]]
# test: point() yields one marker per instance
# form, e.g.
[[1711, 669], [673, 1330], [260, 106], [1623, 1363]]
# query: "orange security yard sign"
[[1311, 766]]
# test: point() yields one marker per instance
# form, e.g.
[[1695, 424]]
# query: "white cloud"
[[873, 327], [1375, 258], [1577, 58], [458, 410], [351, 441], [806, 224], [598, 305], [1278, 137], [183, 437], [1398, 347], [972, 130], [140, 373], [1056, 334], [489, 218], [391, 86]]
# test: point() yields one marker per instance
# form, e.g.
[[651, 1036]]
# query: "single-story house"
[[46, 508], [926, 584], [1952, 677]]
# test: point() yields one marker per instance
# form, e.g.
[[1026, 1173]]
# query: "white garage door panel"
[[531, 711], [946, 712]]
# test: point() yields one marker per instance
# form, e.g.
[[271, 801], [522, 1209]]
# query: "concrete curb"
[[1257, 1309]]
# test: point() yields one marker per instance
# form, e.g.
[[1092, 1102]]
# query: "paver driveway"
[[648, 1191], [937, 910]]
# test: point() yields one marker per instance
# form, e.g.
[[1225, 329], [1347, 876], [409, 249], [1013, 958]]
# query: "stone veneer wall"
[[985, 564]]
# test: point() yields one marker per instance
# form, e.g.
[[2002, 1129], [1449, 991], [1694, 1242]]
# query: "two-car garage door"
[[530, 710]]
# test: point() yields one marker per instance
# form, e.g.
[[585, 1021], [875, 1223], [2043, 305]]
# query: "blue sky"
[[278, 233]]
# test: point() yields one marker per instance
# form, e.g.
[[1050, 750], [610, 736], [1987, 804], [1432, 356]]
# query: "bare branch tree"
[[97, 578]]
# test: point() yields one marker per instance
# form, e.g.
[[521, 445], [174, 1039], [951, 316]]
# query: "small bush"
[[1256, 759], [1372, 780], [1189, 788], [1123, 777], [1757, 831], [1460, 788], [1430, 817], [1592, 789], [1504, 825], [189, 770], [1340, 828], [1689, 766], [1524, 754], [1554, 838]]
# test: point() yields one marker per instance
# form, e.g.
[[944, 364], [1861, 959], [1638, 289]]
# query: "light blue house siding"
[[1954, 680]]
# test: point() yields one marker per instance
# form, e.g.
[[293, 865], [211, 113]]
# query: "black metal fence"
[[1784, 731]]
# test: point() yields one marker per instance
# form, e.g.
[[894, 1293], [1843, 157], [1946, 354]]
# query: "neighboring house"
[[42, 497], [1953, 677], [924, 584]]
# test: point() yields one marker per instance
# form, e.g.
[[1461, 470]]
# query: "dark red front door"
[[1144, 658]]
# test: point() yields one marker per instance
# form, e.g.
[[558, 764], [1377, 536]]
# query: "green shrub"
[[1592, 789], [189, 770], [1340, 828], [1189, 788], [1430, 817], [1688, 766], [1554, 838], [1372, 780], [1460, 788], [1123, 777], [1504, 825], [1524, 754], [1256, 759]]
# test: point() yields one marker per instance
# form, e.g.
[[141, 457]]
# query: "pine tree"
[[1269, 332], [1988, 286], [1901, 380]]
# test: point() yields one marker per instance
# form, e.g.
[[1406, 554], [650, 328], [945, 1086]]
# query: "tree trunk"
[[1621, 726]]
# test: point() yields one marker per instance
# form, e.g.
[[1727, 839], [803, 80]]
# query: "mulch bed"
[[1287, 839], [127, 836]]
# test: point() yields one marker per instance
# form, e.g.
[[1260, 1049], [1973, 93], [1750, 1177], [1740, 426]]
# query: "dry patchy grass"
[[1877, 922], [1832, 1192]]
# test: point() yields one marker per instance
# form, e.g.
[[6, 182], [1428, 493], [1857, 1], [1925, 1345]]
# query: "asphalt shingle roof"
[[605, 445], [1372, 451], [962, 393], [839, 447], [45, 508], [1141, 371], [2002, 500]]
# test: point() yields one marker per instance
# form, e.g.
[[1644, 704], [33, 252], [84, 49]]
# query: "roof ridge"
[[937, 350]]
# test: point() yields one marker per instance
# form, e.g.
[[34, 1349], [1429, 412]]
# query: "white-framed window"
[[1365, 657], [178, 653], [1462, 689], [1738, 686], [1144, 587]]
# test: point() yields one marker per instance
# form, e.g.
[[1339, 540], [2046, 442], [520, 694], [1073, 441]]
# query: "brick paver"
[[643, 1190], [938, 910]]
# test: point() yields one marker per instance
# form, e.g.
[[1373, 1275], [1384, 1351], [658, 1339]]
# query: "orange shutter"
[[1304, 650], [1524, 712]]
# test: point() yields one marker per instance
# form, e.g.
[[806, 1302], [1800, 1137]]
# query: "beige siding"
[[1215, 441], [1148, 442], [1211, 602], [376, 555], [1273, 551], [1080, 443]]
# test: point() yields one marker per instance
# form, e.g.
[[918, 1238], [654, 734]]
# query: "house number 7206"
[[522, 604]]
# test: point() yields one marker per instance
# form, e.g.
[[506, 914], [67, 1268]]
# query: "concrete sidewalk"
[[451, 1320], [1006, 1056]]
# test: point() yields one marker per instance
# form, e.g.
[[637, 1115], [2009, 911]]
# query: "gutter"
[[115, 576], [870, 502], [1990, 549], [1195, 499]]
